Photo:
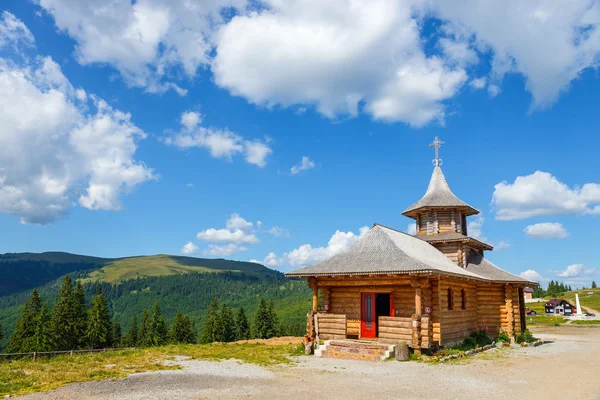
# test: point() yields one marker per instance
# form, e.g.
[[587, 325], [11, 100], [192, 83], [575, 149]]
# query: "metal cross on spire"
[[437, 143]]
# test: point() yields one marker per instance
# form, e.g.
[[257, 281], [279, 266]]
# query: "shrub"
[[525, 337], [469, 342], [503, 337], [481, 336]]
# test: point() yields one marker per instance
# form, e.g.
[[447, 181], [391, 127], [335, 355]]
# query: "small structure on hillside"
[[528, 293], [560, 307], [429, 289]]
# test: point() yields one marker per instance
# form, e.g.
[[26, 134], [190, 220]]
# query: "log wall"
[[491, 307], [331, 326], [456, 324], [395, 330]]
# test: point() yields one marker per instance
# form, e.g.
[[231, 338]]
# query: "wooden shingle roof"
[[438, 195]]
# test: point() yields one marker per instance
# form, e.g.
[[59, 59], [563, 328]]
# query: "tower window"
[[463, 299], [450, 299]]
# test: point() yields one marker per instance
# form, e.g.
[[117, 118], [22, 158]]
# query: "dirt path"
[[565, 369]]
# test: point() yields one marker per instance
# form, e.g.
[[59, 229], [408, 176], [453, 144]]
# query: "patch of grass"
[[539, 307], [547, 320], [586, 322], [587, 300], [18, 377]]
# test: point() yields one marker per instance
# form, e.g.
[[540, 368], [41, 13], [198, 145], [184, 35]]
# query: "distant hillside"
[[131, 284], [161, 265], [23, 271]]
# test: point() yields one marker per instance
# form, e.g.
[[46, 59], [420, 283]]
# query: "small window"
[[463, 299], [450, 299]]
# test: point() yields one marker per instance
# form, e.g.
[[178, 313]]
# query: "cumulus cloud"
[[189, 248], [576, 270], [532, 276], [307, 254], [223, 251], [546, 230], [147, 41], [220, 143], [341, 57], [237, 231], [304, 165], [13, 32], [59, 145], [336, 56], [541, 194], [563, 39]]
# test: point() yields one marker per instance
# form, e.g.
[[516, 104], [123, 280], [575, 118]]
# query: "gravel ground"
[[533, 373]]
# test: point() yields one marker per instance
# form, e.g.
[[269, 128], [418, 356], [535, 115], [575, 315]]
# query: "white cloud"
[[279, 232], [237, 230], [478, 83], [225, 235], [223, 251], [235, 222], [532, 276], [220, 143], [58, 144], [190, 185], [257, 152], [307, 254], [304, 165], [563, 39], [189, 248], [411, 229], [502, 245], [147, 41], [14, 32], [571, 271], [475, 228], [342, 57], [541, 194], [546, 230]]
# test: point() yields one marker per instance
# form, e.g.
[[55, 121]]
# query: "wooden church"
[[430, 289]]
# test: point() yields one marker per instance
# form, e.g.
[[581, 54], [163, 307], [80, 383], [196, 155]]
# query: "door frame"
[[367, 332]]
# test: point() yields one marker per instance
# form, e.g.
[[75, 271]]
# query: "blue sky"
[[174, 127]]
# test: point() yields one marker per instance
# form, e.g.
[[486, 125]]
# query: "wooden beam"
[[418, 302], [510, 313], [315, 300]]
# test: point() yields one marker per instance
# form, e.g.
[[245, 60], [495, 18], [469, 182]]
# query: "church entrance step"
[[356, 350]]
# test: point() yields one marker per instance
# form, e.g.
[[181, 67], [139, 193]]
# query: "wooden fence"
[[34, 355], [395, 330]]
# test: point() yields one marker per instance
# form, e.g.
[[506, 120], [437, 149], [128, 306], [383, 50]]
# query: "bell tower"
[[441, 217]]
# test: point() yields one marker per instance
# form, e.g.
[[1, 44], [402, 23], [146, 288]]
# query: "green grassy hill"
[[131, 284], [162, 264]]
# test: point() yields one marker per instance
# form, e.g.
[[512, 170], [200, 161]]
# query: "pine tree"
[[63, 322], [131, 339], [158, 328], [41, 339], [1, 332], [80, 314], [116, 335], [182, 330], [210, 331], [242, 328], [26, 326], [144, 339], [262, 321], [273, 321], [594, 285], [99, 326], [226, 325]]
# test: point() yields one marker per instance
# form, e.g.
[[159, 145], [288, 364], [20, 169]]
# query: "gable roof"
[[438, 194], [383, 250], [555, 302]]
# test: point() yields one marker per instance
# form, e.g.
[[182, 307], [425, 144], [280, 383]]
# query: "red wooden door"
[[368, 323]]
